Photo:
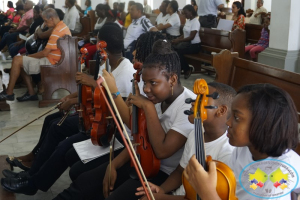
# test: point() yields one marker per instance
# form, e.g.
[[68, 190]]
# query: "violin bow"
[[130, 148], [45, 113]]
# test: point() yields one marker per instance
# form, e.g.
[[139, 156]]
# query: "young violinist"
[[263, 125], [51, 155], [215, 137], [167, 126]]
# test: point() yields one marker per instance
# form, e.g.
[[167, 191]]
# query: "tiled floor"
[[24, 141]]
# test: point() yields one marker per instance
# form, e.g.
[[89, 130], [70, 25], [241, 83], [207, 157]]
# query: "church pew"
[[253, 32], [213, 40], [86, 27], [61, 75], [236, 72], [93, 19]]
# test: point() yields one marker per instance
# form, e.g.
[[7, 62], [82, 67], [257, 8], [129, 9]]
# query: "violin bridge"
[[109, 117], [136, 144]]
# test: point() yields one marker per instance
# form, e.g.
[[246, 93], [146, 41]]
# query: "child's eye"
[[236, 117], [153, 83]]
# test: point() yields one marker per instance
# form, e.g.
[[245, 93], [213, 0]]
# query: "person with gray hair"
[[256, 15], [28, 65]]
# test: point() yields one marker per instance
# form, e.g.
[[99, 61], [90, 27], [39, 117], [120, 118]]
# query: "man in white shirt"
[[140, 24], [256, 16], [72, 18], [163, 16], [147, 8], [208, 11]]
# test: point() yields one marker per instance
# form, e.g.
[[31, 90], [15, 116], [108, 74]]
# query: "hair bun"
[[162, 47]]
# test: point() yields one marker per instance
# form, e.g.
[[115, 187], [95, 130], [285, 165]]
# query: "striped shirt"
[[59, 31], [137, 28]]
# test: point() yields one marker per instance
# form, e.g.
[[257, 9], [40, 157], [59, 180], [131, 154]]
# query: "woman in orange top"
[[238, 16]]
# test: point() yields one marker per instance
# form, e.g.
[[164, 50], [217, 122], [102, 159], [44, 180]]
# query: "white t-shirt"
[[219, 149], [135, 29], [192, 25], [175, 119], [99, 25], [72, 19], [241, 157], [174, 21], [123, 75], [162, 19], [208, 7], [257, 20]]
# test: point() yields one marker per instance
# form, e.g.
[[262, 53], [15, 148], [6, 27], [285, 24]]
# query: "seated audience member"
[[163, 15], [128, 18], [194, 4], [105, 15], [256, 141], [216, 142], [20, 2], [37, 21], [14, 22], [147, 8], [238, 16], [115, 6], [72, 18], [121, 13], [140, 24], [27, 65], [8, 15], [12, 36], [172, 24], [263, 42], [256, 15], [189, 42], [88, 4]]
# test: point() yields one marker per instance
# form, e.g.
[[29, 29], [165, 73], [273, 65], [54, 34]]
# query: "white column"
[[283, 51]]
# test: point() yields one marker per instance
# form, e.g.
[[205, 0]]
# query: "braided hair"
[[164, 58], [144, 44]]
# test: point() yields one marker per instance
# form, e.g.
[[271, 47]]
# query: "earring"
[[172, 89]]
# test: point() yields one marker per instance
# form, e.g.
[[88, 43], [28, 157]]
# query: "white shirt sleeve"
[[173, 20], [188, 150], [146, 24], [195, 26]]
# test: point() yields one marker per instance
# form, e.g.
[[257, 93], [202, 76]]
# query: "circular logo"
[[269, 179]]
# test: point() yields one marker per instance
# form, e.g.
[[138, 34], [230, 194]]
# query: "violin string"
[[128, 138]]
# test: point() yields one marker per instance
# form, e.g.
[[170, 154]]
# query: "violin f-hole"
[[142, 138]]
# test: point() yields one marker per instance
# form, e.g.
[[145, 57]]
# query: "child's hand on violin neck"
[[110, 81], [138, 99]]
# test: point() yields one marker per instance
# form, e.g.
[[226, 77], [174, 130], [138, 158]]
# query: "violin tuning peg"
[[211, 107], [214, 95], [188, 112], [189, 100]]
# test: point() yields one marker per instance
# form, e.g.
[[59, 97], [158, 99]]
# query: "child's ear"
[[222, 110], [173, 79]]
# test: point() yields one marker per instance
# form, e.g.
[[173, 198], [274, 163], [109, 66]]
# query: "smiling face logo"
[[268, 179]]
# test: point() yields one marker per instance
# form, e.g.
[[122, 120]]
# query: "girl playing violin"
[[167, 126], [263, 125]]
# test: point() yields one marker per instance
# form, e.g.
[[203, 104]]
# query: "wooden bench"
[[61, 75], [93, 19], [237, 72], [213, 40], [86, 27], [253, 32]]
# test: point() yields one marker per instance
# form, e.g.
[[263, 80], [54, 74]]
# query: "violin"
[[144, 151], [86, 99], [103, 126], [226, 182]]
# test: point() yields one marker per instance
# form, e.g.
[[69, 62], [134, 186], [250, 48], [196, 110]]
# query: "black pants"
[[88, 186], [129, 50], [55, 166], [48, 121], [208, 21], [4, 29], [186, 48], [54, 136]]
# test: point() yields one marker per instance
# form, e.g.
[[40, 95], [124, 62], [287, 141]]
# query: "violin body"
[[87, 107], [144, 151], [226, 183], [103, 126]]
